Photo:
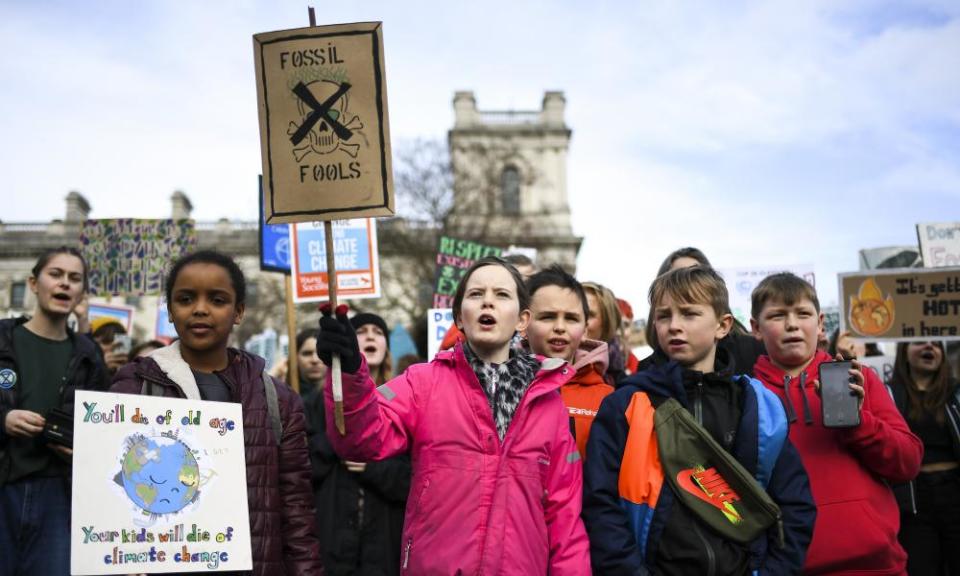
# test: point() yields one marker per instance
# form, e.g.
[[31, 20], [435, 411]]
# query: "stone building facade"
[[510, 177]]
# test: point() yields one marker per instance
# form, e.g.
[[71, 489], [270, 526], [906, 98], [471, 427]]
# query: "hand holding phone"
[[840, 402]]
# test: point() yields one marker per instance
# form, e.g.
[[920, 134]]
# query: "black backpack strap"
[[273, 406]]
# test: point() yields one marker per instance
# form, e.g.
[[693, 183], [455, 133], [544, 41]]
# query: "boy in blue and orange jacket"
[[636, 521]]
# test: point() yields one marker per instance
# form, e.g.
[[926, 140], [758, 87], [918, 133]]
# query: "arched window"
[[510, 190]]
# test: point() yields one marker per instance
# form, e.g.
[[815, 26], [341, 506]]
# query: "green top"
[[42, 365]]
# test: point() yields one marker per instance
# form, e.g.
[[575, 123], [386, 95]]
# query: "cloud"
[[775, 132]]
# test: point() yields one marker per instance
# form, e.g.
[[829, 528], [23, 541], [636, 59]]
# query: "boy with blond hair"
[[689, 469], [850, 468]]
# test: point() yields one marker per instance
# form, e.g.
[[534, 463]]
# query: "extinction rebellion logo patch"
[[708, 485], [7, 378]]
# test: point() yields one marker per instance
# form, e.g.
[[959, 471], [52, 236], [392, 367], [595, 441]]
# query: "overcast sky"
[[766, 133]]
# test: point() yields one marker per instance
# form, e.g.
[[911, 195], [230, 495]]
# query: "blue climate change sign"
[[274, 243]]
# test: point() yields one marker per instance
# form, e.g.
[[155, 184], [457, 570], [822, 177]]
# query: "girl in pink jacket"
[[496, 474]]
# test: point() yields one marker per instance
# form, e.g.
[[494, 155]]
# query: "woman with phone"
[[42, 364], [927, 396]]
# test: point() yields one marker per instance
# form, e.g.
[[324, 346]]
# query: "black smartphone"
[[841, 407]]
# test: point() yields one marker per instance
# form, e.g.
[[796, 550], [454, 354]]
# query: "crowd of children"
[[534, 444]]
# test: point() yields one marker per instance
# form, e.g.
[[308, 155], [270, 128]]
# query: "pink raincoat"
[[476, 505]]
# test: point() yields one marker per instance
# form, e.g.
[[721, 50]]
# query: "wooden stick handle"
[[336, 378], [293, 368]]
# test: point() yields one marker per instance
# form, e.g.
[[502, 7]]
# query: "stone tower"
[[510, 178]]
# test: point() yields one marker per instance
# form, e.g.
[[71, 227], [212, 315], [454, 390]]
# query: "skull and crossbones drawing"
[[323, 138]]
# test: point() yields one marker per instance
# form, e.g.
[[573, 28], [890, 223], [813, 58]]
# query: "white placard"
[[159, 485], [741, 282], [439, 320], [939, 244]]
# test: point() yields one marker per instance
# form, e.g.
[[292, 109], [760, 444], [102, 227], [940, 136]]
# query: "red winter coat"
[[477, 505], [850, 471], [283, 531]]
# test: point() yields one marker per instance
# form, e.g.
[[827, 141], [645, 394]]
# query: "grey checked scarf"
[[504, 384]]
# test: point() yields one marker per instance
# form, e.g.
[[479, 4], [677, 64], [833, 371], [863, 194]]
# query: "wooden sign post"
[[324, 133], [293, 366]]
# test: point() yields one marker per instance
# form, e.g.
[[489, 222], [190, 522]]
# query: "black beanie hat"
[[368, 318]]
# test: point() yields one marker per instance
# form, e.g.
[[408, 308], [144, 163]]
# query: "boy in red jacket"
[[849, 468]]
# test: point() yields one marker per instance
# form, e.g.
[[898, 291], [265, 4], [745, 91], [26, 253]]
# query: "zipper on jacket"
[[711, 556], [781, 539], [504, 447], [698, 404], [406, 553]]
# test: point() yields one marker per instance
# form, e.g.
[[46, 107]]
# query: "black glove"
[[337, 336]]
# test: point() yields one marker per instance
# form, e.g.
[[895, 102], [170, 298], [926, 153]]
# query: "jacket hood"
[[167, 364], [768, 372], [592, 353]]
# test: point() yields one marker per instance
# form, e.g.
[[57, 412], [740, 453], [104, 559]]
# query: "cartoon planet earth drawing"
[[870, 313], [159, 474]]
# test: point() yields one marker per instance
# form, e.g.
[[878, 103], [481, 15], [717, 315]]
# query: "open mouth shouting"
[[62, 300], [487, 321]]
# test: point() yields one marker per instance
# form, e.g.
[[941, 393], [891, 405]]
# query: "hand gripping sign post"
[[324, 133]]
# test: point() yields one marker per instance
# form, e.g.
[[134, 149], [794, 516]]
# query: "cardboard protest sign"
[[454, 256], [162, 488], [939, 244], [439, 320], [741, 282], [130, 257], [355, 257], [906, 304], [122, 314], [324, 129]]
